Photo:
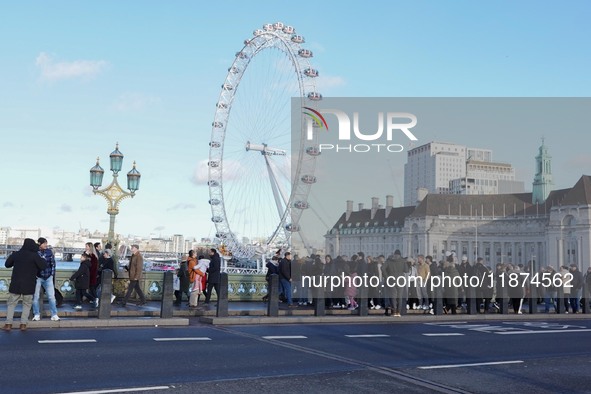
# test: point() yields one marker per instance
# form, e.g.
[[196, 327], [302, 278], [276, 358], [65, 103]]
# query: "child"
[[82, 278], [351, 291]]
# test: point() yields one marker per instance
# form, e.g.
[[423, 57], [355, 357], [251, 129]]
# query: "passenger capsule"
[[217, 125], [227, 86], [311, 72], [213, 183], [297, 39], [314, 96], [214, 201], [268, 27], [215, 144], [309, 179], [313, 151], [306, 53], [278, 26], [292, 227], [213, 164], [288, 30], [301, 205], [257, 32], [217, 219]]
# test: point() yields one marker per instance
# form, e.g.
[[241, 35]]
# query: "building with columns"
[[512, 228]]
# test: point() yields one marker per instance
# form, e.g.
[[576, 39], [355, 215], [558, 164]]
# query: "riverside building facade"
[[546, 227]]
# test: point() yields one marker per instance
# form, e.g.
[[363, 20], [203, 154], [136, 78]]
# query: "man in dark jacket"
[[26, 263], [106, 262], [394, 268], [577, 285], [213, 274], [285, 277]]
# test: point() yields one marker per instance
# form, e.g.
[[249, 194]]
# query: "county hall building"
[[548, 227]]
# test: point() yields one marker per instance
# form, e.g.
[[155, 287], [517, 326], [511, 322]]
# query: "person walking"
[[106, 262], [94, 264], [82, 281], [136, 267], [25, 264], [45, 280], [213, 274]]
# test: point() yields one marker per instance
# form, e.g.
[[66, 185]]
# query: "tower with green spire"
[[543, 183]]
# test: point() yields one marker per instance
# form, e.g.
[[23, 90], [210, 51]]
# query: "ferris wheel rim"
[[283, 38]]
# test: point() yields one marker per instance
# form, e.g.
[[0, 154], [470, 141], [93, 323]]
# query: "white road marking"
[[67, 341], [182, 339], [443, 334], [444, 323], [367, 336], [471, 365], [126, 390], [540, 332], [285, 337]]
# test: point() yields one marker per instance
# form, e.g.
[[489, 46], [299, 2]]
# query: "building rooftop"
[[491, 205]]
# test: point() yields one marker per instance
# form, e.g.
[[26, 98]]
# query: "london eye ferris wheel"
[[260, 173]]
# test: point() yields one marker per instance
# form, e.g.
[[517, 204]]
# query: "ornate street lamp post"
[[113, 193]]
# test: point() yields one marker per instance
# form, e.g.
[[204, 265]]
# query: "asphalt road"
[[524, 357]]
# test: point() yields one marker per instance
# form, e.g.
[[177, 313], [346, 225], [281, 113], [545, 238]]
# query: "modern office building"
[[445, 168]]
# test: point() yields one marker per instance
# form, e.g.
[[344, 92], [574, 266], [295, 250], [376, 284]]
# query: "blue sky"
[[77, 77]]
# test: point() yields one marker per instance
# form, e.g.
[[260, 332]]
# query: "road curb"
[[107, 323], [250, 320]]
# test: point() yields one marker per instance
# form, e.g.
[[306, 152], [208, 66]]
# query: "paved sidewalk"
[[248, 313]]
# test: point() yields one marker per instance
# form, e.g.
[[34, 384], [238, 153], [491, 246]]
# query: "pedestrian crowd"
[[519, 285], [561, 290], [34, 268]]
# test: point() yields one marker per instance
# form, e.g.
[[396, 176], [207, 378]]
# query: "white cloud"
[[52, 70], [325, 82], [181, 207], [200, 175], [232, 170], [132, 101], [65, 208]]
